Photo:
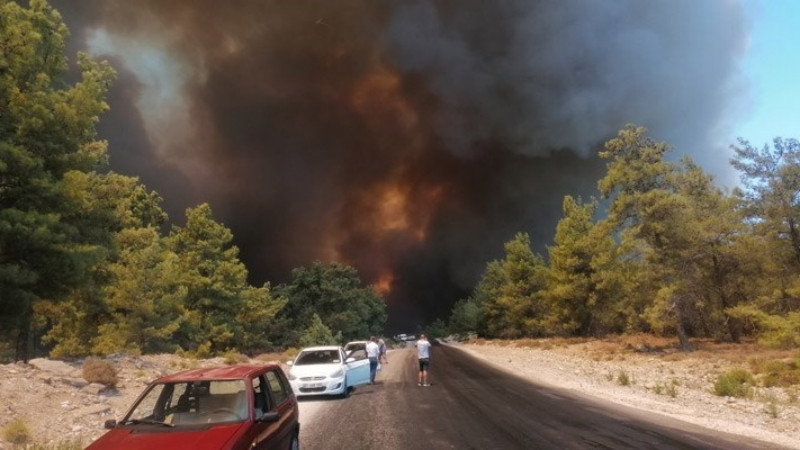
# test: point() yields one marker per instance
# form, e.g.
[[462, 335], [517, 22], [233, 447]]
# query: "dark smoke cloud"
[[408, 139]]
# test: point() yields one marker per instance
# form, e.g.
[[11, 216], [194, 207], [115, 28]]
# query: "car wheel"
[[295, 444], [346, 391]]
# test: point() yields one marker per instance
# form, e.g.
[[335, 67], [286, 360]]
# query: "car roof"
[[320, 347], [218, 373]]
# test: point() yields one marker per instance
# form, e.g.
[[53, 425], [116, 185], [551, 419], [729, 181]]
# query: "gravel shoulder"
[[678, 385]]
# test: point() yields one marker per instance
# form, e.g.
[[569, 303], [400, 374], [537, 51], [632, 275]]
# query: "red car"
[[230, 408]]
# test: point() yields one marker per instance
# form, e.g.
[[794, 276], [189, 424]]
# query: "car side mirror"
[[289, 363], [109, 424], [349, 359], [270, 417]]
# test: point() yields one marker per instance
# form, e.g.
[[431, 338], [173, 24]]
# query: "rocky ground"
[[59, 406]]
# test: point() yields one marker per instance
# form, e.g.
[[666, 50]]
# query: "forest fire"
[[410, 139]]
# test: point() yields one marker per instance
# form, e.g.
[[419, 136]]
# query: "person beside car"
[[382, 358], [373, 353]]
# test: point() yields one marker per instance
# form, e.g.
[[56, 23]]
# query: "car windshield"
[[191, 403], [318, 357]]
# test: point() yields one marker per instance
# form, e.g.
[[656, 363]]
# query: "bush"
[[17, 432], [734, 383], [623, 379], [99, 371], [232, 358]]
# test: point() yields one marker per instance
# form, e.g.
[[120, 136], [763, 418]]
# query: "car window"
[[152, 405], [359, 353], [319, 357], [277, 388], [260, 395]]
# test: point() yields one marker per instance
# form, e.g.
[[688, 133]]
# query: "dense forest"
[[669, 253], [88, 261], [90, 264]]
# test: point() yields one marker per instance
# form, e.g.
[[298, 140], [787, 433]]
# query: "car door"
[[274, 412], [357, 371]]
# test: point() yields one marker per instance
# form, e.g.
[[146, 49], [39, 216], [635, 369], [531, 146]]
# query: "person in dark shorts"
[[424, 357]]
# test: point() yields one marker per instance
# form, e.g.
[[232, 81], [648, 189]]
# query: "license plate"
[[313, 385]]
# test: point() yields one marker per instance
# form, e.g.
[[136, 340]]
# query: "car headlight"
[[338, 374], [291, 376]]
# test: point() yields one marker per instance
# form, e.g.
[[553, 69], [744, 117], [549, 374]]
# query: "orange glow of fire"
[[397, 212], [378, 96], [384, 284]]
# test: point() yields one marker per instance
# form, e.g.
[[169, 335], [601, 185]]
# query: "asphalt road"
[[472, 405]]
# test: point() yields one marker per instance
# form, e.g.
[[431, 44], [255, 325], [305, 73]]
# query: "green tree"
[[215, 284], [143, 302], [257, 317], [574, 301], [770, 200], [771, 183], [334, 292], [512, 291], [466, 316], [109, 310], [683, 229], [47, 136], [318, 334]]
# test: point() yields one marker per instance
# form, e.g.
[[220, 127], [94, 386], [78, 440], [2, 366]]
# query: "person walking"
[[382, 359], [424, 358], [373, 353]]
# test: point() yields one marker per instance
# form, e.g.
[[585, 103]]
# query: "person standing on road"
[[373, 353], [382, 346], [424, 357]]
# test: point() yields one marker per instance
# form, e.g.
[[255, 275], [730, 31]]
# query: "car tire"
[[346, 391], [295, 444]]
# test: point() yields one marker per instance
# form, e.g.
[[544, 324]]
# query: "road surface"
[[473, 405]]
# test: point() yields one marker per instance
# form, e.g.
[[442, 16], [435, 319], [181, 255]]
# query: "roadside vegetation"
[[661, 251], [18, 434]]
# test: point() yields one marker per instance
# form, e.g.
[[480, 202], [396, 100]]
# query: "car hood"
[[311, 370], [127, 438]]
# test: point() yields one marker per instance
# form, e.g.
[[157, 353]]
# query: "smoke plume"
[[408, 139]]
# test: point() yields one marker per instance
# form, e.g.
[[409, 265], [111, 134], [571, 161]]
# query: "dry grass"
[[272, 357]]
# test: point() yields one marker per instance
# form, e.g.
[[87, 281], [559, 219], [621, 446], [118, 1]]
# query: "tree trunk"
[[686, 346]]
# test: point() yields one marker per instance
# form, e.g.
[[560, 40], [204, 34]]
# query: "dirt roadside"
[[58, 405]]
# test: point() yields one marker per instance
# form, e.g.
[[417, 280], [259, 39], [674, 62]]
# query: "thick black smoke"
[[408, 139]]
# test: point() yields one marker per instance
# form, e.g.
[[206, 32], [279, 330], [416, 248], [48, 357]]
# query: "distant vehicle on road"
[[327, 370], [222, 408]]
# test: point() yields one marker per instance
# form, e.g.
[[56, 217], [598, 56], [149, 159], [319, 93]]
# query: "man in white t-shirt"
[[373, 352], [424, 357]]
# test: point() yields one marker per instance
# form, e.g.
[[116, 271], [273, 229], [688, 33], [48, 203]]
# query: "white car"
[[325, 370]]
